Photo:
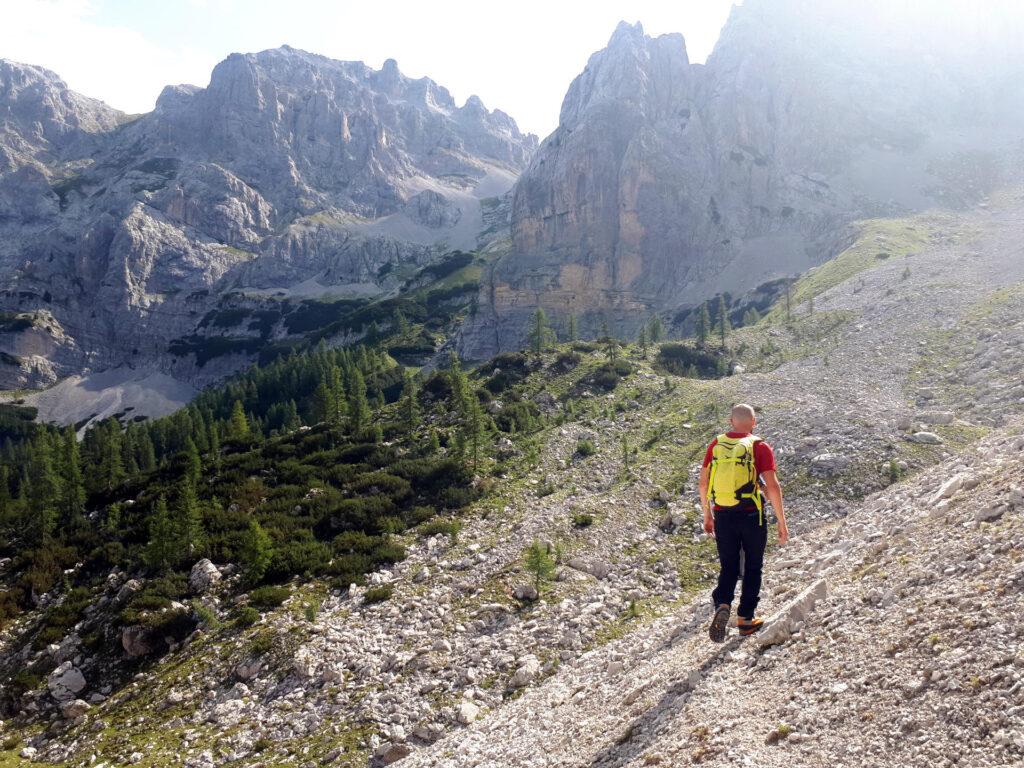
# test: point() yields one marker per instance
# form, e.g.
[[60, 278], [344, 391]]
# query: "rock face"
[[118, 236], [668, 182]]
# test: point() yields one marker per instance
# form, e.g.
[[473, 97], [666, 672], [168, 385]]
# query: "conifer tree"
[[43, 495], [723, 320], [655, 330], [112, 471], [642, 340], [410, 412], [572, 330], [162, 549], [256, 552], [193, 464], [358, 408], [188, 521], [540, 335], [703, 324], [238, 425], [72, 503], [539, 563]]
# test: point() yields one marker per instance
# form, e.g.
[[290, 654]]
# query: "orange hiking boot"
[[748, 626]]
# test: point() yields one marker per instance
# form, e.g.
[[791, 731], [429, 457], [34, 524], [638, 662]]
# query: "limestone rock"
[[203, 576], [65, 681]]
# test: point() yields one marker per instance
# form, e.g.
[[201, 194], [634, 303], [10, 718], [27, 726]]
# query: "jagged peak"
[[626, 32]]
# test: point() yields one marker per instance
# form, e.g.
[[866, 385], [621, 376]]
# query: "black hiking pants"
[[736, 531]]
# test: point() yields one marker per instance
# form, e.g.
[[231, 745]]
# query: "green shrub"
[[246, 616], [268, 597], [685, 359], [585, 448], [448, 527], [378, 594], [582, 520]]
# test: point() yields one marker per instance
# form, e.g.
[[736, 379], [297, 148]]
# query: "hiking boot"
[[748, 626], [719, 623]]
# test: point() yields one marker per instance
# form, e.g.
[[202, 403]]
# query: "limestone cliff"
[[289, 173], [668, 182]]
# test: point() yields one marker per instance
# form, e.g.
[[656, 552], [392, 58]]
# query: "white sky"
[[519, 57]]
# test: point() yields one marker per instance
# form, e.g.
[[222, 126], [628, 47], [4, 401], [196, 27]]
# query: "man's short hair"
[[742, 409]]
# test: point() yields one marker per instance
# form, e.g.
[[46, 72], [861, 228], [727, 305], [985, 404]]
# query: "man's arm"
[[709, 520], [773, 491]]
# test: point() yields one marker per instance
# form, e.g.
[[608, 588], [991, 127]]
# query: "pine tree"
[[541, 335], [255, 552], [162, 549], [238, 424], [215, 449], [475, 430], [723, 320], [323, 405], [611, 345], [642, 340], [291, 420], [188, 522], [146, 455], [43, 495], [193, 464], [72, 503], [410, 412], [539, 563], [358, 408], [789, 301], [703, 324], [655, 330], [572, 331], [336, 398], [112, 471]]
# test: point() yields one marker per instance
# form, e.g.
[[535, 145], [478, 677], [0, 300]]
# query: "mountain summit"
[[120, 235], [667, 183]]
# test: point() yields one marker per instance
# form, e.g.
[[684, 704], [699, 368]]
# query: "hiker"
[[738, 472]]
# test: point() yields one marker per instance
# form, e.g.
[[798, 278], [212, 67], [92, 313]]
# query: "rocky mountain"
[[667, 183], [290, 176]]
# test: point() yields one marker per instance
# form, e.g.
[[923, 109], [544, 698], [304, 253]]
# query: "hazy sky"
[[519, 57]]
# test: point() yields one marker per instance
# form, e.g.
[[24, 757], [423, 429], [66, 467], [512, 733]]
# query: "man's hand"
[[709, 522], [783, 531]]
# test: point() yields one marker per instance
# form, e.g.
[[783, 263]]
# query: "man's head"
[[742, 418]]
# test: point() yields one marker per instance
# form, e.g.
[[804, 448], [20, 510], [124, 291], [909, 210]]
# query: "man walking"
[[738, 472]]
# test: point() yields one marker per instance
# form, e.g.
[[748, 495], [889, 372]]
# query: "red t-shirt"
[[764, 456]]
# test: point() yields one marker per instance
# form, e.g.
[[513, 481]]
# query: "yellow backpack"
[[733, 475]]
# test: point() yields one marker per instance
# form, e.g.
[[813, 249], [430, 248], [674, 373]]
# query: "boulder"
[[525, 592], [780, 627], [828, 464], [990, 514], [928, 438], [137, 641], [65, 681], [467, 712], [73, 709], [388, 752], [526, 673], [947, 489], [935, 417], [203, 576]]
